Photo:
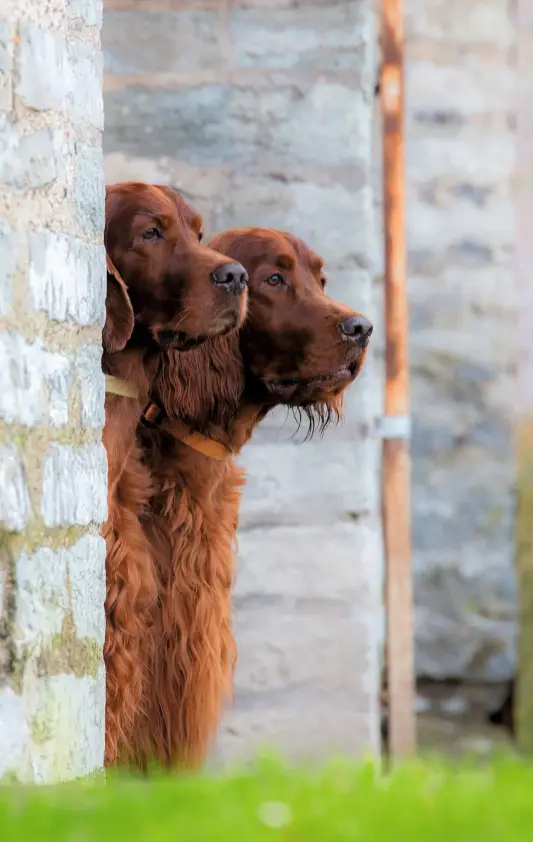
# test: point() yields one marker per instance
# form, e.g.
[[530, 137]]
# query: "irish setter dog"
[[164, 290], [297, 347]]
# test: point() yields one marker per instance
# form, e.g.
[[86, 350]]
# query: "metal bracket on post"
[[395, 427]]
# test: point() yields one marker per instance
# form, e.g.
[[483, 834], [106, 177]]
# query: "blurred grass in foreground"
[[426, 801]]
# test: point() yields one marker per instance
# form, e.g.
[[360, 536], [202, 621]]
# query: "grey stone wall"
[[53, 468], [261, 113], [460, 157]]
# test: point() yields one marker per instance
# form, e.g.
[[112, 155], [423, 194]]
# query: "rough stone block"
[[307, 622], [477, 23], [85, 94], [53, 583], [282, 486], [72, 707], [347, 732], [90, 188], [333, 220], [491, 224], [67, 278], [326, 124], [58, 373], [339, 562], [8, 261], [320, 36], [302, 645], [490, 292], [42, 598], [74, 490], [468, 90], [92, 386], [89, 11], [469, 156], [14, 735], [15, 506], [29, 161], [475, 511], [86, 575], [34, 383], [172, 32], [6, 65], [43, 82], [465, 616]]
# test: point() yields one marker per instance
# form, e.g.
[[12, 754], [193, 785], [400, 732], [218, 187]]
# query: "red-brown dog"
[[164, 290]]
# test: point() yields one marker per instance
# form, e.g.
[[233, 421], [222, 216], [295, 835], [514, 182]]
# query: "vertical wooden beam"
[[396, 497], [523, 698]]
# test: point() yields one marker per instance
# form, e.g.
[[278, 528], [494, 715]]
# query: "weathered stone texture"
[[92, 385], [43, 69], [74, 485], [30, 161], [15, 507], [264, 117], [53, 468], [34, 383], [55, 260], [460, 153], [8, 258], [186, 42], [6, 64]]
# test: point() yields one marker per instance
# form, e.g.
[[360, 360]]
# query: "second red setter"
[[299, 348]]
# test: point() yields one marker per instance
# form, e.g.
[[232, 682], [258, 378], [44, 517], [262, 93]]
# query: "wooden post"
[[523, 697], [396, 499]]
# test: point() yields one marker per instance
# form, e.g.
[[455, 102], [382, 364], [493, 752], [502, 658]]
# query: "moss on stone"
[[40, 729], [68, 653], [16, 679], [6, 607], [31, 439], [524, 571], [37, 535]]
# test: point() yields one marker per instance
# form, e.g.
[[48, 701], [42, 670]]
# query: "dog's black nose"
[[231, 276], [357, 329]]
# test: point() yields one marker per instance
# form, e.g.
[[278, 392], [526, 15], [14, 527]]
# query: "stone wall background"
[[460, 160], [53, 467], [261, 113], [460, 88]]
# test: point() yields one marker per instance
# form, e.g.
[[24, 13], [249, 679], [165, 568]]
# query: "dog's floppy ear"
[[119, 320]]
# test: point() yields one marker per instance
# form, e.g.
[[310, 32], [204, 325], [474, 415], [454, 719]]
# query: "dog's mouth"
[[180, 340], [290, 390]]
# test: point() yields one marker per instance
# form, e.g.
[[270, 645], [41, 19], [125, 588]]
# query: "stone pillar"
[[261, 112], [53, 468]]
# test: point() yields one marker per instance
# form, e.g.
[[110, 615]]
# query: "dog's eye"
[[275, 280], [200, 236], [151, 234], [323, 282]]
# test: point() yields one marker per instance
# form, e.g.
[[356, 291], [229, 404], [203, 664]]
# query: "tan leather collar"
[[196, 441], [209, 447], [116, 386]]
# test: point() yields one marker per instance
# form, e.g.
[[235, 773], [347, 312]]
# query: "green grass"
[[419, 802]]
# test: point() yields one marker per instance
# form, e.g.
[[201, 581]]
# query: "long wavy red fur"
[[159, 291], [192, 525], [131, 592]]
